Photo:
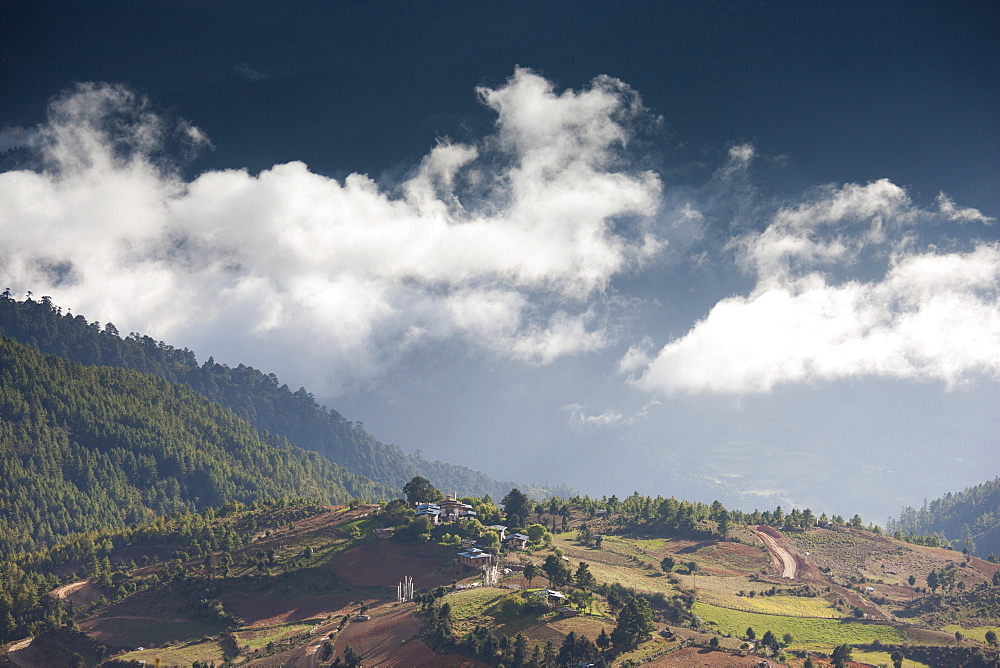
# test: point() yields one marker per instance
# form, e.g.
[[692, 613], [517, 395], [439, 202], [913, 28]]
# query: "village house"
[[451, 510], [552, 597], [431, 511], [474, 557], [517, 541]]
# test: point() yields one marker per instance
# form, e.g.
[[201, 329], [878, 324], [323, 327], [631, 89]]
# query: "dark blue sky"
[[845, 90], [785, 260]]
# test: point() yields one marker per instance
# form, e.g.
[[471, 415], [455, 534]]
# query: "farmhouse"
[[451, 510], [431, 511], [474, 557], [552, 597], [517, 541]]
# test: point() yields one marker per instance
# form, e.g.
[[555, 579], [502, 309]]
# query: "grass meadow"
[[816, 634], [883, 658], [184, 654], [250, 639], [977, 633]]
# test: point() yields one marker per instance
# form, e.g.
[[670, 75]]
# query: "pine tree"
[[635, 623]]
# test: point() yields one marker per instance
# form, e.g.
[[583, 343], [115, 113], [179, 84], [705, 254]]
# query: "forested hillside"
[[92, 447], [258, 397], [969, 518]]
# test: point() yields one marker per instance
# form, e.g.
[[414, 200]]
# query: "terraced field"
[[734, 591], [324, 572], [883, 658], [255, 638], [792, 606], [813, 634], [473, 603], [136, 631], [183, 654], [977, 633], [640, 579]]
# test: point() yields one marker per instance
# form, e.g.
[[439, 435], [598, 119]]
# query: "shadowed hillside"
[[90, 447], [259, 398], [969, 519]]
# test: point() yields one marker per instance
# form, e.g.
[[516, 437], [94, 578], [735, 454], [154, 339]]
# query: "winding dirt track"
[[81, 593], [793, 564], [781, 557], [15, 651]]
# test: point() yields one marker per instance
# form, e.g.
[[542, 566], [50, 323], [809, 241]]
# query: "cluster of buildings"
[[475, 556], [450, 509]]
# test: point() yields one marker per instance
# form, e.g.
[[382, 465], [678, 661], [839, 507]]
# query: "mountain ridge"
[[968, 519], [94, 447], [273, 408]]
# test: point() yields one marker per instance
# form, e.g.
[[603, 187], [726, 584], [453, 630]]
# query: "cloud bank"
[[931, 315], [507, 243], [511, 244]]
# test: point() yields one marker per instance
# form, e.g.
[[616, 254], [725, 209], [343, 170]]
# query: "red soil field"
[[384, 563], [695, 656], [387, 639], [258, 610]]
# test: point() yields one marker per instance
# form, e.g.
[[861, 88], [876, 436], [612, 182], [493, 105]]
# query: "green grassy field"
[[723, 590], [474, 604], [637, 578], [818, 634], [184, 654], [250, 639], [792, 606], [883, 658], [649, 649], [472, 607], [978, 633], [647, 545]]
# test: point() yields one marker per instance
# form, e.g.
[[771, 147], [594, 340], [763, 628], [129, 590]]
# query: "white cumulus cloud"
[[930, 315], [505, 243]]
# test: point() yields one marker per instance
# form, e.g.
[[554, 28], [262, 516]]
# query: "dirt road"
[[793, 564], [781, 557], [81, 593], [16, 653]]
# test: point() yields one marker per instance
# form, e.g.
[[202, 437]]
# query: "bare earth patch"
[[256, 610], [385, 563], [387, 639], [81, 594], [20, 654]]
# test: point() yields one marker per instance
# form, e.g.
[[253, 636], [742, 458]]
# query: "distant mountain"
[[258, 397], [971, 516], [84, 448]]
